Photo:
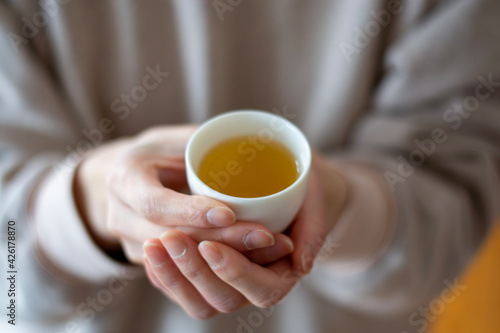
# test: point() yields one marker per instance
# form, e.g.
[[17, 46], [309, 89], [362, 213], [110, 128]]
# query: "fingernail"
[[221, 216], [307, 259], [290, 244], [211, 254], [155, 254], [257, 239], [175, 245]]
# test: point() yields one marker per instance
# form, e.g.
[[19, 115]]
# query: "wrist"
[[90, 194], [91, 221], [366, 225]]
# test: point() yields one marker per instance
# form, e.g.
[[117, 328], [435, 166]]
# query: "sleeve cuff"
[[64, 245], [366, 226]]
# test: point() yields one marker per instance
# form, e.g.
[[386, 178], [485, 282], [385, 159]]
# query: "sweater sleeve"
[[430, 140], [39, 137]]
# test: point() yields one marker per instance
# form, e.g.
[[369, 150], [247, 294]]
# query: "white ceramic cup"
[[275, 211]]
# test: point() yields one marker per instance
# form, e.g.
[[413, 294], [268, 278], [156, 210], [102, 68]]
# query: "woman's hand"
[[131, 190], [212, 277]]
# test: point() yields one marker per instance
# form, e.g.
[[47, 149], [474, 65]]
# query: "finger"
[[123, 222], [133, 251], [308, 231], [184, 252], [262, 286], [282, 247], [177, 285], [242, 236], [137, 183], [154, 280]]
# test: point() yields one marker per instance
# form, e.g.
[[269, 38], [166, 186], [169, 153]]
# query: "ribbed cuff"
[[366, 226]]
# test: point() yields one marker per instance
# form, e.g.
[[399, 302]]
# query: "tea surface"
[[247, 167]]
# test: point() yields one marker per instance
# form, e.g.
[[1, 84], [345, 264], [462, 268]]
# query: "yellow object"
[[248, 167], [477, 308]]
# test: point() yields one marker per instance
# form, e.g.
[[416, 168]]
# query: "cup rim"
[[230, 198]]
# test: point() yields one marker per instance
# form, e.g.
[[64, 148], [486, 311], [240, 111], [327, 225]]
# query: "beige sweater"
[[406, 96]]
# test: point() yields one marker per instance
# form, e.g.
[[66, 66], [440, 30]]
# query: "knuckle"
[[191, 215], [203, 313], [157, 285], [118, 172], [132, 254], [171, 283], [113, 224], [269, 300], [133, 258], [233, 274], [155, 282], [227, 235], [227, 305], [150, 207], [265, 303], [192, 274]]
